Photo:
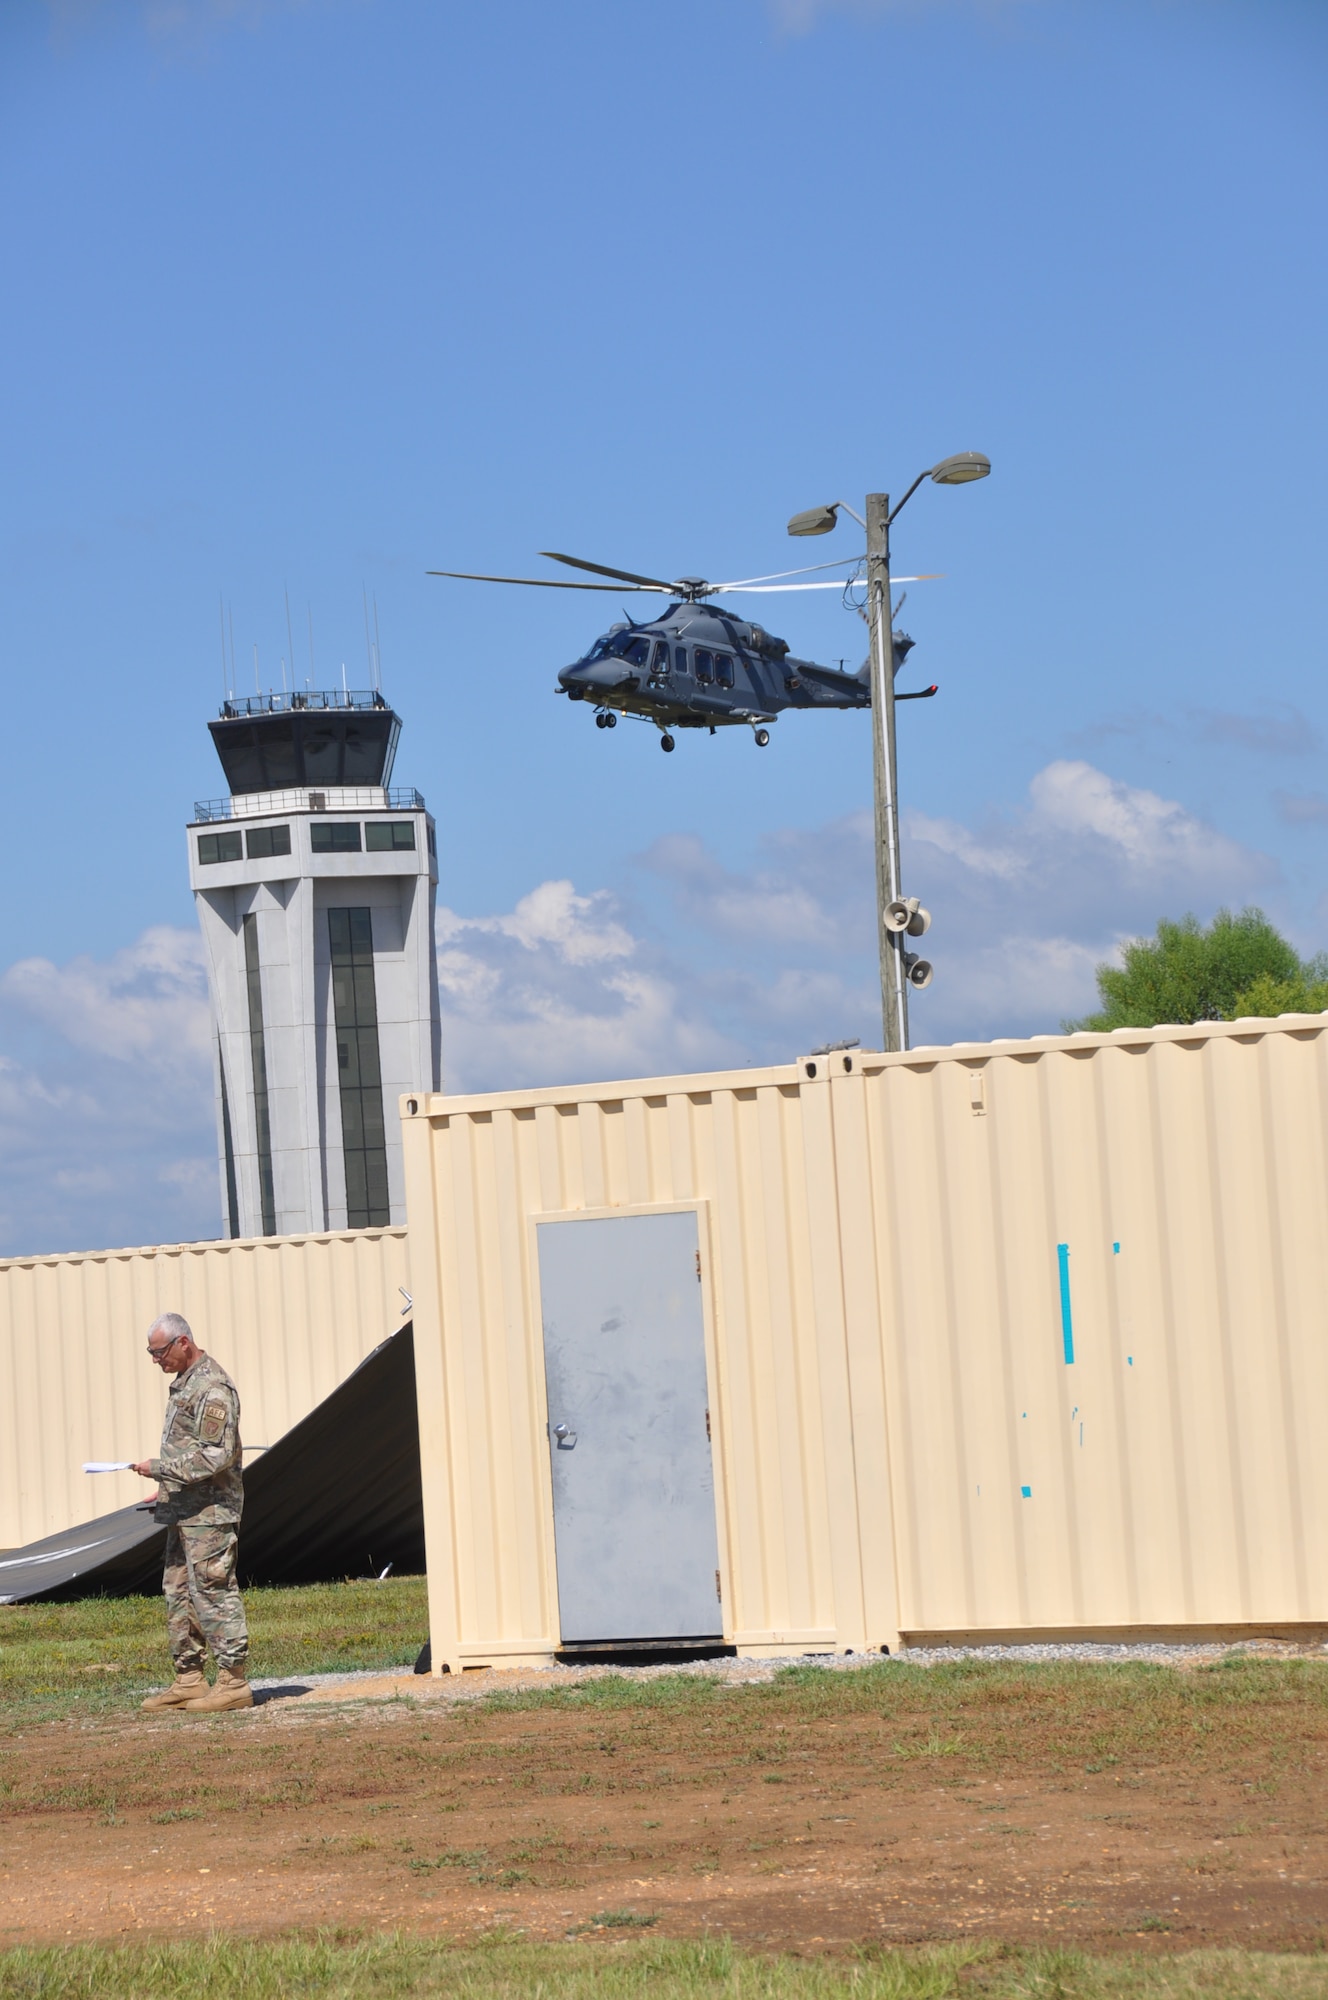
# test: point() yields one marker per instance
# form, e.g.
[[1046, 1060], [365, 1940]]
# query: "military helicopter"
[[695, 667]]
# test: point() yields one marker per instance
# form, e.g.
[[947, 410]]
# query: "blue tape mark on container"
[[1067, 1323], [1115, 1249], [1027, 1492]]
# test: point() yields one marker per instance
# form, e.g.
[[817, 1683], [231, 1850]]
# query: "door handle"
[[566, 1438]]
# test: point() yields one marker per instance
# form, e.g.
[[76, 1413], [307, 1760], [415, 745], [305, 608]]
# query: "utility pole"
[[890, 944], [898, 918]]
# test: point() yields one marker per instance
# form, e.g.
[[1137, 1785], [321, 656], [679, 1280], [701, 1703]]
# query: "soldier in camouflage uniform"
[[200, 1498]]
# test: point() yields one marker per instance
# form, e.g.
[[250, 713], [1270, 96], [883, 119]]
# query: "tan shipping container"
[[1019, 1337], [289, 1317]]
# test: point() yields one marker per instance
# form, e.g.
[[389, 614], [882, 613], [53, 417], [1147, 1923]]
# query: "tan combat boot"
[[230, 1690], [182, 1689]]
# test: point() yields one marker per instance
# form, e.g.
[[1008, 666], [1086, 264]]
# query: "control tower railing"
[[310, 799], [296, 700]]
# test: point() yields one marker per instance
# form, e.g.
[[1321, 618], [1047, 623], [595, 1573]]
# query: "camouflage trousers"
[[203, 1603]]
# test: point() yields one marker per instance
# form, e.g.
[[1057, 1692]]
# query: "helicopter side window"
[[660, 664], [680, 660], [724, 670], [705, 665]]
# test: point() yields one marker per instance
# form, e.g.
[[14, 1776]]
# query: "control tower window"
[[258, 1066], [214, 847], [335, 836], [262, 842], [359, 1071], [385, 836]]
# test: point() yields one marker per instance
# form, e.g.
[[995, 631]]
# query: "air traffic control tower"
[[315, 888]]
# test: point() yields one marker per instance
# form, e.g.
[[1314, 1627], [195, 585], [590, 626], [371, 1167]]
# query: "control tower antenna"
[[230, 617], [221, 621], [310, 681], [368, 643], [378, 650], [290, 639]]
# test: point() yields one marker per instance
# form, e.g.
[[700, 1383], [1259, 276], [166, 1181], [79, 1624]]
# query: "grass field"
[[505, 1969], [1058, 1828], [97, 1655], [502, 1969]]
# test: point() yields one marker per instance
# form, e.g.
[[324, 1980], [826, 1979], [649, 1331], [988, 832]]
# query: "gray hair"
[[174, 1325]]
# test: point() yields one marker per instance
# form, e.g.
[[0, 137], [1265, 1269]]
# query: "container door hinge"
[[719, 1593], [698, 1267], [707, 1426]]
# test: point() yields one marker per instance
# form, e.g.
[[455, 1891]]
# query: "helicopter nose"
[[589, 680]]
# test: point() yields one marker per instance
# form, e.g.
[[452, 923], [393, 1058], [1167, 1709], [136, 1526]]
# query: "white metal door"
[[633, 1485]]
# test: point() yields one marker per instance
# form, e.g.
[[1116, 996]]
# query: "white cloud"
[[171, 21], [579, 929], [544, 994], [106, 1127], [148, 1000], [798, 17], [769, 905], [1025, 905]]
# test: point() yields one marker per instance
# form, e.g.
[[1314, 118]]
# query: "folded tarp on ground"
[[338, 1496]]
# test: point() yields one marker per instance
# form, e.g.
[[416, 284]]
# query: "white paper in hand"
[[108, 1465]]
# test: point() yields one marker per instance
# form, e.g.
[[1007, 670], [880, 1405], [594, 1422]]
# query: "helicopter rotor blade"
[[778, 575], [602, 569], [834, 583], [554, 582]]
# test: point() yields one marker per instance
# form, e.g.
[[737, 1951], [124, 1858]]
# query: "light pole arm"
[[895, 511]]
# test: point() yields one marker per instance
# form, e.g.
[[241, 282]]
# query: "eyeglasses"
[[160, 1353]]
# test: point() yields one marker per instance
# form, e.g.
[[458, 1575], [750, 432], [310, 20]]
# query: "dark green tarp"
[[338, 1496]]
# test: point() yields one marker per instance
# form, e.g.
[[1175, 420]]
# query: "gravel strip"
[[748, 1673]]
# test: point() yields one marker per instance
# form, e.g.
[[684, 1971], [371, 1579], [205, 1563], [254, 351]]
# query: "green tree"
[[1240, 965]]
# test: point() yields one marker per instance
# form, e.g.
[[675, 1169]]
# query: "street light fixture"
[[900, 968]]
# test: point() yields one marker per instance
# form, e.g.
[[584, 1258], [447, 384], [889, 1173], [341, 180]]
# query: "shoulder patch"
[[213, 1427]]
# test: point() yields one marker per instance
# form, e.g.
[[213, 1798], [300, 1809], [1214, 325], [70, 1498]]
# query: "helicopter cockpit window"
[[705, 665], [660, 663], [724, 670], [635, 651]]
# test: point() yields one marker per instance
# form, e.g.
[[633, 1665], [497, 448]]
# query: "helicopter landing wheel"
[[610, 719], [666, 741], [762, 738], [601, 720]]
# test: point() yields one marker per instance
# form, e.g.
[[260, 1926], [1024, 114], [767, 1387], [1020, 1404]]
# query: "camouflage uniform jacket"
[[199, 1466]]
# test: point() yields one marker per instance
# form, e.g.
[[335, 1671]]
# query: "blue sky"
[[319, 296]]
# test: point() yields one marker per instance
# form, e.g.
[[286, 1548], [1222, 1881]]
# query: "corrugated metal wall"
[[1016, 1336], [1155, 1461], [289, 1317]]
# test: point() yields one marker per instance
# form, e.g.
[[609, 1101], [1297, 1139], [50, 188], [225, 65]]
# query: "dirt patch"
[[811, 1813]]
